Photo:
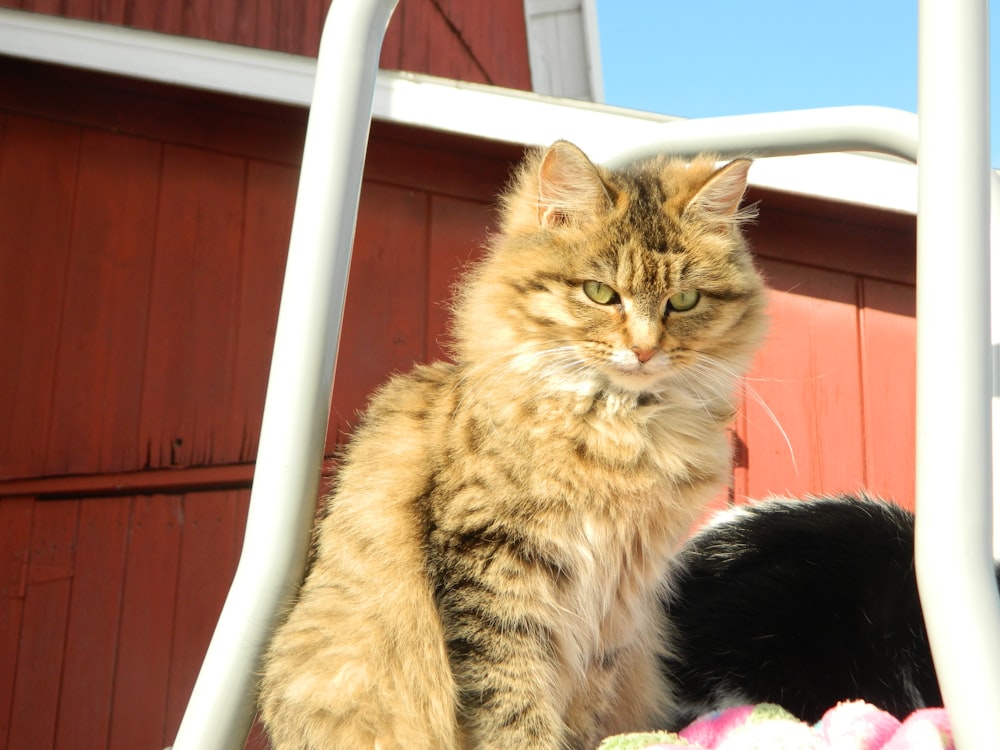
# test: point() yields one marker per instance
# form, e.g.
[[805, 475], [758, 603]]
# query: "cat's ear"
[[720, 196], [570, 188]]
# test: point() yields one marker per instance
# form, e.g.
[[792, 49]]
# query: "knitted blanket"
[[847, 726]]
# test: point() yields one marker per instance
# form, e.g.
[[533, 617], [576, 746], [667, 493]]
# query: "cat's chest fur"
[[594, 488], [592, 446]]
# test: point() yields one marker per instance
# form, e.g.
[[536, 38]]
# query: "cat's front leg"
[[503, 706], [509, 692]]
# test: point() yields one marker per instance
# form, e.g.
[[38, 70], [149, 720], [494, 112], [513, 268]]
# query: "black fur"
[[803, 604]]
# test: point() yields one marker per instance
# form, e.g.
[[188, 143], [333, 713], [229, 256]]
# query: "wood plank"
[[270, 200], [448, 165], [384, 326], [37, 190], [92, 631], [110, 11], [240, 523], [471, 41], [808, 375], [166, 17], [205, 570], [202, 119], [421, 39], [82, 9], [142, 667], [315, 19], [50, 7], [269, 24], [496, 36], [888, 360], [15, 537], [193, 310], [876, 244], [43, 632], [100, 360], [231, 476], [221, 21], [458, 234], [293, 27]]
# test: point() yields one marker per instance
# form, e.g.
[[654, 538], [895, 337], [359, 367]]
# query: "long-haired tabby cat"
[[488, 570]]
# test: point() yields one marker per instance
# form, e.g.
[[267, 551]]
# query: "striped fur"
[[488, 570]]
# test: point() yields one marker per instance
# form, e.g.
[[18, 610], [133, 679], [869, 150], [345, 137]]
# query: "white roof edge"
[[423, 101]]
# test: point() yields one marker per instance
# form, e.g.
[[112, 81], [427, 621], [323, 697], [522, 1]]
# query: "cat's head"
[[628, 279]]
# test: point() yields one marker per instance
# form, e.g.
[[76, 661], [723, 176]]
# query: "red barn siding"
[[471, 41], [15, 532], [114, 611], [889, 345], [838, 369], [139, 283]]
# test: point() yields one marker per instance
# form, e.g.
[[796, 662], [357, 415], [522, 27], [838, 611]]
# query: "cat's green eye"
[[683, 301], [600, 293]]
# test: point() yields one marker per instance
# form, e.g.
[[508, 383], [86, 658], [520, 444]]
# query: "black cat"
[[800, 603]]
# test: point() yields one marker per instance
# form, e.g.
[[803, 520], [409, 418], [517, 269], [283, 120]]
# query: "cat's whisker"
[[696, 396], [759, 400], [727, 373], [752, 392], [695, 375]]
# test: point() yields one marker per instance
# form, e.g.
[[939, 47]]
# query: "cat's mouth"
[[641, 376]]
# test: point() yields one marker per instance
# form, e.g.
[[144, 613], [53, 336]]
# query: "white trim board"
[[488, 112], [564, 49]]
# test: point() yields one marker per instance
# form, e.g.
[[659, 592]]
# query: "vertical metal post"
[[954, 521], [293, 433]]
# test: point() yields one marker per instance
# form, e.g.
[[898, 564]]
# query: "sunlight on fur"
[[489, 565]]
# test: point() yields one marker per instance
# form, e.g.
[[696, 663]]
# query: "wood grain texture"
[[38, 188], [808, 375], [190, 349], [209, 550], [108, 606], [38, 677], [888, 370], [16, 515], [477, 42], [270, 201], [384, 327], [149, 590], [458, 234], [85, 695], [105, 308]]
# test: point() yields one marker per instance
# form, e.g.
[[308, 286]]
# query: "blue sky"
[[699, 58]]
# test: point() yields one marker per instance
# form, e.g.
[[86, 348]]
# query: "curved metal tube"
[[805, 131]]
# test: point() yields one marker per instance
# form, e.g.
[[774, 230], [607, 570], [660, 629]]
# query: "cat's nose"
[[643, 355]]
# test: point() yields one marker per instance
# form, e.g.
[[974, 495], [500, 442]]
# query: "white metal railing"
[[954, 512]]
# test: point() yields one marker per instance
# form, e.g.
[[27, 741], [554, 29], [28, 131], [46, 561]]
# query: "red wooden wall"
[[482, 42], [143, 236], [838, 369]]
